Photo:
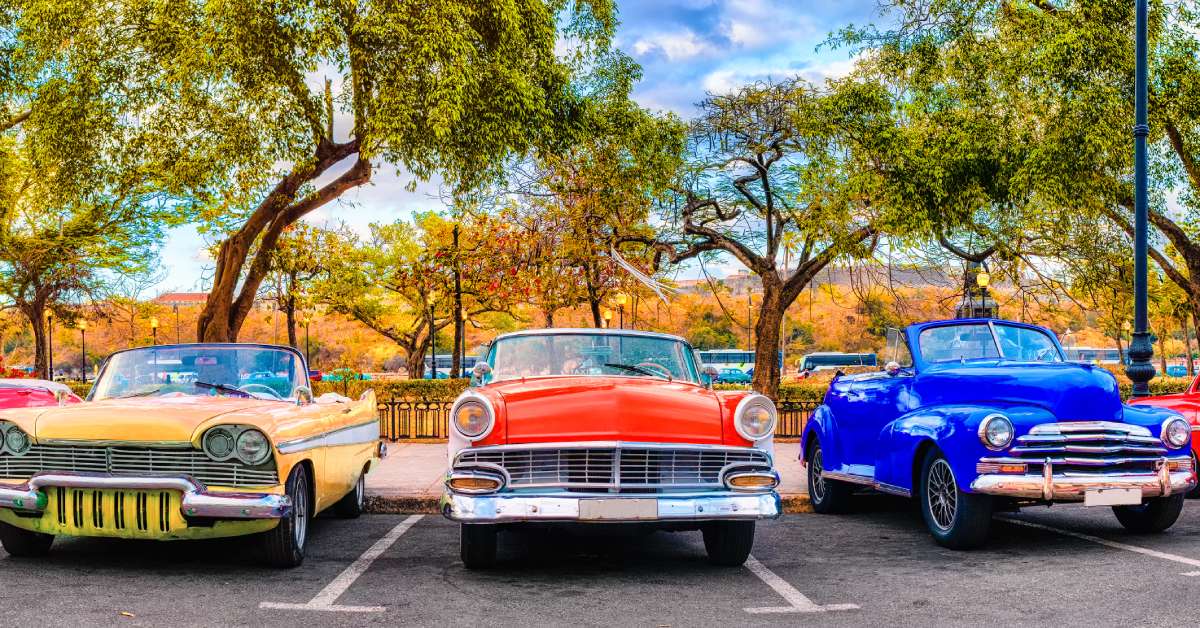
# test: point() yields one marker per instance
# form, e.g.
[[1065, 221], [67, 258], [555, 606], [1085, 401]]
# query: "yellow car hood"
[[151, 419]]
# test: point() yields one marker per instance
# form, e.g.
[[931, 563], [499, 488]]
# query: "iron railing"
[[406, 420]]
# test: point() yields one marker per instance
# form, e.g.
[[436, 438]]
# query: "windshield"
[[975, 341], [591, 354], [203, 371]]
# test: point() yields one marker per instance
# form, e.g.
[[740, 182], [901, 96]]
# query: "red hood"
[[640, 409], [30, 398], [1187, 404]]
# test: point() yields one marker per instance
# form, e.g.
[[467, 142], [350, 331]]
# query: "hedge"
[[428, 390]]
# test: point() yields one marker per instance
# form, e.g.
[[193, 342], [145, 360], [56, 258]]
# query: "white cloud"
[[675, 46]]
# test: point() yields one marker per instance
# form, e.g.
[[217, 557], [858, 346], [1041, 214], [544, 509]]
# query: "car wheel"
[[285, 543], [826, 496], [477, 545], [728, 543], [1154, 515], [956, 520], [23, 543], [1195, 492], [351, 506]]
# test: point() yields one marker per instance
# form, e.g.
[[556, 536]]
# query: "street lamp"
[[82, 325], [50, 346], [1141, 350], [307, 355], [622, 299], [607, 318], [982, 280], [749, 318], [154, 329]]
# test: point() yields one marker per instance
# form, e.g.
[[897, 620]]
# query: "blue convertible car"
[[974, 416]]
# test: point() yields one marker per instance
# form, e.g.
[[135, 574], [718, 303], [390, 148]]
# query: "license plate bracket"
[[626, 509], [1112, 497]]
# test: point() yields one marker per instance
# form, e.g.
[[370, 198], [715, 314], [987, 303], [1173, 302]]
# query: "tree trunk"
[[549, 314], [289, 310], [766, 342], [593, 295], [415, 360], [1120, 349], [37, 319], [1162, 355], [1187, 344]]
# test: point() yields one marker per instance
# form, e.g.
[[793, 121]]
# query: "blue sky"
[[687, 48]]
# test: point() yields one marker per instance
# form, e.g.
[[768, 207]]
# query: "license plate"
[[1112, 497], [618, 509]]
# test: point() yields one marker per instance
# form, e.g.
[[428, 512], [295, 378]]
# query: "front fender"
[[819, 427], [952, 429]]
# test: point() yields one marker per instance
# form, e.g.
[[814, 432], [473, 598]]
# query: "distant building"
[[181, 299], [911, 277]]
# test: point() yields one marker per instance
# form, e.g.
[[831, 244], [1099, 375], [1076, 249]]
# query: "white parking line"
[[1191, 562], [324, 601], [798, 602]]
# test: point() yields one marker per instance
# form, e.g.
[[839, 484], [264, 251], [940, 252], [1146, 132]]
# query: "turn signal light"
[[752, 481], [472, 483], [1012, 468], [1180, 465]]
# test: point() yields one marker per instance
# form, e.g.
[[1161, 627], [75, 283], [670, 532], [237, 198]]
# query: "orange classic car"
[[586, 426], [192, 441]]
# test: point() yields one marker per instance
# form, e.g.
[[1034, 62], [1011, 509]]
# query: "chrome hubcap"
[[818, 477], [360, 490], [300, 512], [941, 495]]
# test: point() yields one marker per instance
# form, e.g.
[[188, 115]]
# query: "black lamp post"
[[432, 346], [622, 298], [50, 346], [154, 330], [1141, 348], [83, 350]]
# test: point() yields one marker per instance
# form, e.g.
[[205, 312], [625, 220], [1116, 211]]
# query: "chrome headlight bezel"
[[1172, 428], [985, 432], [234, 435], [473, 400], [7, 429], [754, 403]]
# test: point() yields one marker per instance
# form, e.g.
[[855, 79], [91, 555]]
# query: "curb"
[[429, 505]]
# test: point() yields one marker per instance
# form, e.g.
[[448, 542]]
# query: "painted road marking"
[[324, 601], [1191, 562], [798, 602]]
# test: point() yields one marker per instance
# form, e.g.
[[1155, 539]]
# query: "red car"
[[597, 426], [29, 393], [1186, 403]]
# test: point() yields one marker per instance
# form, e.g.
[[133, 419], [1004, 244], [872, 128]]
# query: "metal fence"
[[406, 420]]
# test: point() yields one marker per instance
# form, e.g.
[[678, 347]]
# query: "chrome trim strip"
[[849, 477], [1062, 487], [569, 331], [1070, 427], [514, 508], [196, 500], [603, 444], [350, 435], [74, 442], [892, 489], [1082, 462]]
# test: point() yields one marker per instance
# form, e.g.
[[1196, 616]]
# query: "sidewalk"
[[410, 478]]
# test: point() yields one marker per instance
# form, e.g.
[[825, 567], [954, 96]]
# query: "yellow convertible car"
[[190, 441]]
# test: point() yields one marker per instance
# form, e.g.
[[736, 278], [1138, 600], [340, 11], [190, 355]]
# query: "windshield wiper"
[[223, 388], [637, 369], [141, 393]]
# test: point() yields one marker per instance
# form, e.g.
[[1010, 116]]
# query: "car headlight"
[[473, 417], [1175, 432], [219, 443], [16, 441], [755, 418], [253, 448], [996, 431]]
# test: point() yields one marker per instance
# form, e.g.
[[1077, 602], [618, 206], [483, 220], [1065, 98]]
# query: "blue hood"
[[1069, 391]]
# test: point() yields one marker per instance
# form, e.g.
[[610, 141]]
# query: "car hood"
[[149, 419], [1070, 391], [1187, 404], [639, 409]]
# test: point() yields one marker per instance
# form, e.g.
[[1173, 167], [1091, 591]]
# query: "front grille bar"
[[135, 461]]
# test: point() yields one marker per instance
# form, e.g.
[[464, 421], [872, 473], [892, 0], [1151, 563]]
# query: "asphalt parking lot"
[[876, 566]]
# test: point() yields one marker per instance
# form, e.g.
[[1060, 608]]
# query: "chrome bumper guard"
[[565, 507], [196, 500], [1072, 487]]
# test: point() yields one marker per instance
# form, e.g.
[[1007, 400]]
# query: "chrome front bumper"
[[565, 507], [196, 500], [1064, 487]]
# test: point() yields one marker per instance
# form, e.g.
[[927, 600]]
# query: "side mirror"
[[709, 374], [892, 368], [61, 396], [480, 373], [304, 396]]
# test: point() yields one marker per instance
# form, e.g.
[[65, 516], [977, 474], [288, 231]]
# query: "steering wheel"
[[1047, 355], [261, 388], [654, 366]]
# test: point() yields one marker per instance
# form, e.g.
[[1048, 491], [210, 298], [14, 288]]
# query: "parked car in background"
[[215, 454], [1177, 370], [1187, 404], [30, 393], [733, 376], [591, 426], [975, 416]]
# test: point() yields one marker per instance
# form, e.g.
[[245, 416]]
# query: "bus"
[[1094, 355], [825, 360], [731, 358], [444, 361]]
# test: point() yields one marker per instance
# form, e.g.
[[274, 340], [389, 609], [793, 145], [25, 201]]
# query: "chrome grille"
[[623, 467], [1086, 446], [135, 461]]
